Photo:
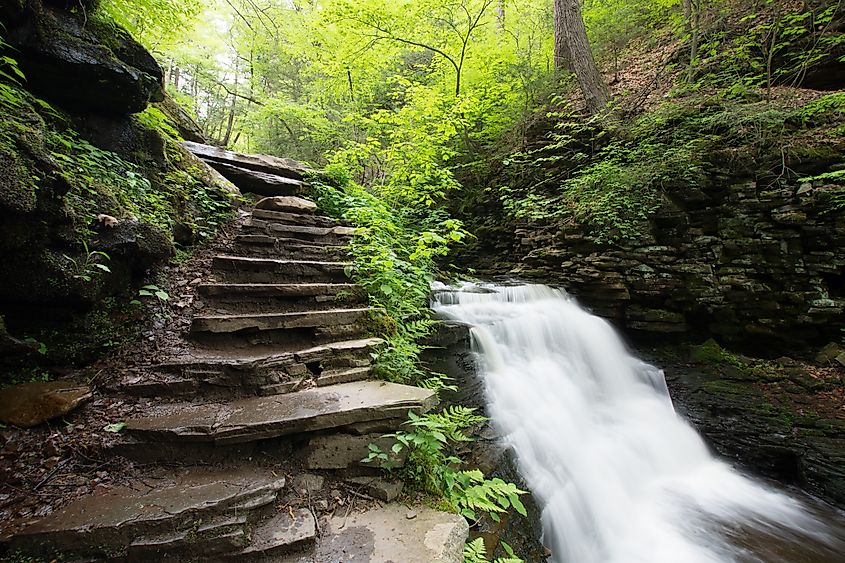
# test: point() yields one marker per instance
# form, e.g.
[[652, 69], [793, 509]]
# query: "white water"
[[620, 477]]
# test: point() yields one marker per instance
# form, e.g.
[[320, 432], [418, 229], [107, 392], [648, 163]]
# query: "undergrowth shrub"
[[393, 252], [432, 466], [611, 176]]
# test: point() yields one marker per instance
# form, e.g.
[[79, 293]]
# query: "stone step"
[[220, 536], [263, 298], [250, 375], [278, 321], [333, 234], [287, 204], [288, 218], [266, 246], [258, 418], [337, 376], [391, 533], [173, 513], [239, 269], [282, 534]]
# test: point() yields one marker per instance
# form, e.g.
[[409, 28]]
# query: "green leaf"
[[115, 427]]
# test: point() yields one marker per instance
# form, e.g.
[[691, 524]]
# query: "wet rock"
[[739, 260], [385, 534], [284, 532], [166, 513], [185, 124], [829, 353], [342, 451], [139, 245], [377, 487], [307, 483], [67, 58], [252, 419], [272, 165], [737, 418], [31, 404]]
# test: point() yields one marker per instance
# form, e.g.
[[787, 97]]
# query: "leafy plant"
[[476, 552], [10, 74], [90, 265], [395, 263], [154, 291], [115, 427], [431, 465]]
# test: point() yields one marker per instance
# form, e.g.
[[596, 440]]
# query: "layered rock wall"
[[744, 260]]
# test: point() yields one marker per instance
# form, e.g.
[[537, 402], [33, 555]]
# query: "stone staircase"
[[275, 390]]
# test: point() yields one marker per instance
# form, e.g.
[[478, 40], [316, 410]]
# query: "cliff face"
[[96, 194], [752, 261]]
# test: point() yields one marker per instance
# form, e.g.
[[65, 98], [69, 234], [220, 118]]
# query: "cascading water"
[[621, 478]]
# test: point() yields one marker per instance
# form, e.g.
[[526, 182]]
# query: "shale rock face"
[[741, 260], [68, 58]]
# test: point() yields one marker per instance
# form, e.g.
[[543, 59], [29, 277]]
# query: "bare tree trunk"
[[573, 52], [500, 14], [694, 20], [231, 121], [562, 54]]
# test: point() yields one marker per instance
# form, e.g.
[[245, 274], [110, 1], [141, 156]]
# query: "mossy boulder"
[[68, 58]]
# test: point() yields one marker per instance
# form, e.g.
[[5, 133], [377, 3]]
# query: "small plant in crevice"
[[90, 265]]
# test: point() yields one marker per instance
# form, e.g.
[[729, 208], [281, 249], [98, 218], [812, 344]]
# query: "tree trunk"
[[562, 54], [694, 19], [572, 52]]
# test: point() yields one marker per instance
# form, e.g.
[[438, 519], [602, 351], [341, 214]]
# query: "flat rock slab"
[[278, 270], [279, 289], [278, 321], [258, 182], [287, 204], [31, 404], [285, 532], [387, 535], [260, 162], [167, 503], [259, 418]]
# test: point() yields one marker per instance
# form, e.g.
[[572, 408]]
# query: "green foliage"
[[476, 552], [90, 264], [155, 23], [115, 427], [431, 465], [772, 45], [394, 253], [613, 177], [151, 290], [154, 118], [10, 74], [101, 180]]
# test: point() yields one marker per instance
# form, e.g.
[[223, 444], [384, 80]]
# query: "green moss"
[[711, 353], [731, 389]]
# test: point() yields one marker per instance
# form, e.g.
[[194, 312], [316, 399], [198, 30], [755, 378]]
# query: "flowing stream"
[[620, 477]]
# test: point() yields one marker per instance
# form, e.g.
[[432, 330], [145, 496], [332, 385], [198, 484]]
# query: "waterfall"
[[619, 475]]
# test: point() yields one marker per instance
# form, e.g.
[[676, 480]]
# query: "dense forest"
[[678, 166]]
